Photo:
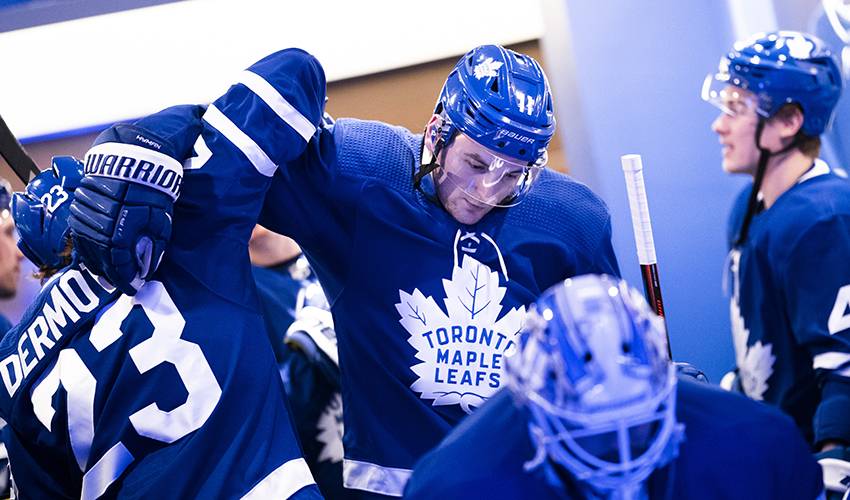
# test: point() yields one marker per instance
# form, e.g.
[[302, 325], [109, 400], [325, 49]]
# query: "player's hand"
[[836, 472], [120, 229]]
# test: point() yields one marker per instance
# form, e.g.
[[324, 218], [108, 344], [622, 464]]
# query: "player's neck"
[[783, 171]]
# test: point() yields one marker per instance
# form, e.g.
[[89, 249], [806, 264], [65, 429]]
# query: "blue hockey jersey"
[[314, 399], [733, 449], [172, 393], [278, 287], [790, 306], [425, 308]]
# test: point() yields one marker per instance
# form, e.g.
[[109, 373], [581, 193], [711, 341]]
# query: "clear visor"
[[490, 179], [731, 99]]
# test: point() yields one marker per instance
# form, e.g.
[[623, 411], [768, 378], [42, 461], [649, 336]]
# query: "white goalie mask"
[[592, 370]]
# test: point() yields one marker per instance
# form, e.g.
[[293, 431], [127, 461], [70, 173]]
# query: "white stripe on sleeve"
[[278, 103], [283, 482], [240, 139]]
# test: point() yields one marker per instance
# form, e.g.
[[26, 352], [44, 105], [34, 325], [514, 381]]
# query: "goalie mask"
[[592, 371], [500, 100]]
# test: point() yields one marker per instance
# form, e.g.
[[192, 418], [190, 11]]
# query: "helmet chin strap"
[[764, 156], [427, 168]]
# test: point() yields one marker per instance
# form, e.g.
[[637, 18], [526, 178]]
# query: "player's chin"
[[467, 213], [731, 166]]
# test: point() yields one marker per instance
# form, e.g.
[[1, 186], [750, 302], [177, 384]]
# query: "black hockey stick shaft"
[[639, 208], [15, 155]]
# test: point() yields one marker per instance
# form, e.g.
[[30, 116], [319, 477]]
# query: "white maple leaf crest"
[[755, 362], [799, 47], [330, 431], [487, 67], [461, 350]]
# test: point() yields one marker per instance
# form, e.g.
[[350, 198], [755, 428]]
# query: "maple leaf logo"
[[757, 368], [755, 363], [799, 47], [487, 67], [461, 350], [330, 431]]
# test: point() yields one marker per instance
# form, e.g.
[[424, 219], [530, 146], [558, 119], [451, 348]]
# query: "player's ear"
[[788, 121]]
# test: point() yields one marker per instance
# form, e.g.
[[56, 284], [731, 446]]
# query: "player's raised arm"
[[123, 212]]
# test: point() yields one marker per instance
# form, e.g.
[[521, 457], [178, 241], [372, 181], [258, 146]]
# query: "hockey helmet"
[[783, 67], [41, 211], [592, 369]]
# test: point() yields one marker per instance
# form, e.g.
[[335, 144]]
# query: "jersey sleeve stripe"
[[833, 361], [283, 482], [105, 471], [279, 104], [240, 139], [374, 478]]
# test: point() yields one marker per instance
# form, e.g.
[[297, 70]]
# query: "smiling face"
[[736, 129], [471, 179]]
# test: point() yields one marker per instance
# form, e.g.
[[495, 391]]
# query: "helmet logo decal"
[[525, 102], [488, 67], [54, 198], [799, 47], [512, 135]]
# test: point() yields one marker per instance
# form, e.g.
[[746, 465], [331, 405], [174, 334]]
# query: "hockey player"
[[300, 327], [789, 231], [428, 246], [172, 392], [10, 256], [595, 410]]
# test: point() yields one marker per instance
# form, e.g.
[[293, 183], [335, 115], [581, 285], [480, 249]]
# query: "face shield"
[[486, 178], [730, 98]]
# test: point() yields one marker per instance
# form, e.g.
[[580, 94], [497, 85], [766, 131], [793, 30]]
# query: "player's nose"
[[719, 125]]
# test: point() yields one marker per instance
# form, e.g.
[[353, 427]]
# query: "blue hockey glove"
[[836, 472], [121, 215]]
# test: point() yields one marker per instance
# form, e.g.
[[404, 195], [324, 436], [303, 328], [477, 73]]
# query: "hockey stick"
[[638, 206], [15, 155]]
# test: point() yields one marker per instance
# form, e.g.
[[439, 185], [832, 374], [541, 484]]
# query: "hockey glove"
[[121, 215], [836, 472], [313, 334]]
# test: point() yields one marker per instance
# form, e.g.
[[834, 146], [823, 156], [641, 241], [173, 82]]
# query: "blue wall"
[[626, 80]]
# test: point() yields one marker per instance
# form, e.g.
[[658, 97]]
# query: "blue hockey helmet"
[[501, 100], [783, 67], [592, 369], [41, 211]]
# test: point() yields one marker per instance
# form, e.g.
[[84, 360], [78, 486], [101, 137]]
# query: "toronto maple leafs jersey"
[[172, 393], [314, 400], [277, 287], [733, 449], [790, 306], [425, 307]]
